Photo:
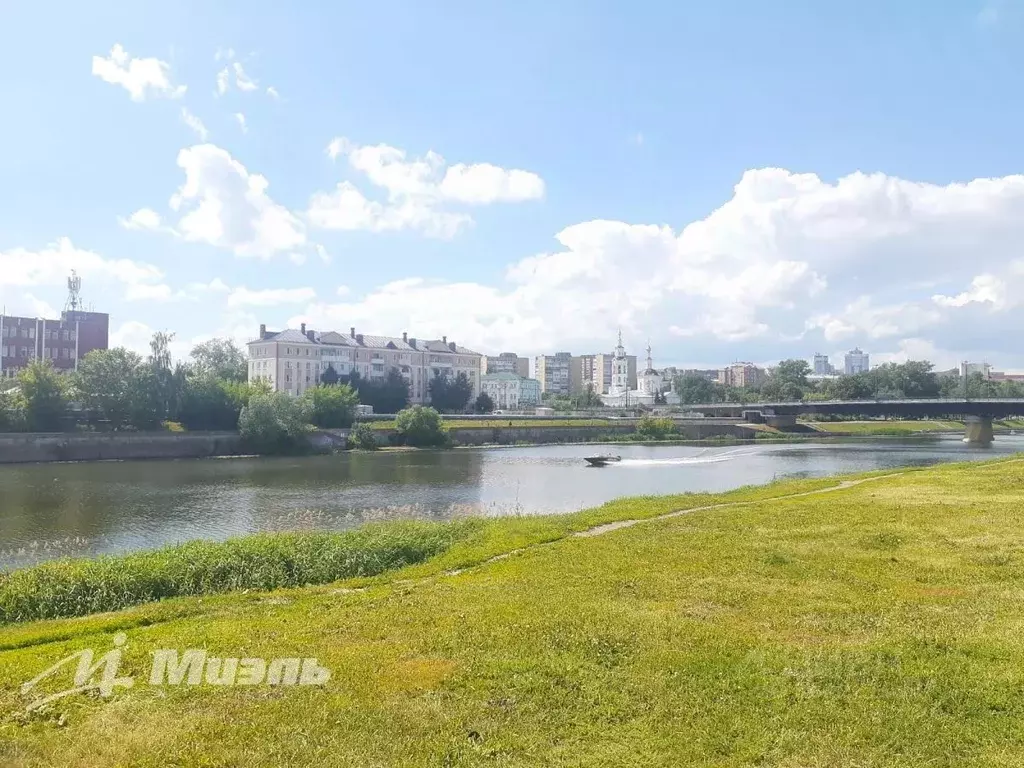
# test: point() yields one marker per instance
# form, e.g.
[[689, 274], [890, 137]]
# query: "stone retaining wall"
[[29, 448]]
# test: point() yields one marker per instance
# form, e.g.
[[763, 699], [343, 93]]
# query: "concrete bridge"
[[976, 413]]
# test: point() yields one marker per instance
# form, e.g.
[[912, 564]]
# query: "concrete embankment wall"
[[567, 434], [29, 448]]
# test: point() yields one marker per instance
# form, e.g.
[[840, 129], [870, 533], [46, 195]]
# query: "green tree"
[[483, 403], [362, 437], [655, 428], [12, 411], [222, 359], [695, 388], [274, 423], [787, 382], [119, 385], [388, 396], [168, 380], [857, 386], [448, 394], [420, 426], [332, 407], [43, 393], [912, 379], [208, 403], [330, 376]]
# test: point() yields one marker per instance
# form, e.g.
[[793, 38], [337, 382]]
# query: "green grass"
[[886, 427], [874, 626], [266, 561]]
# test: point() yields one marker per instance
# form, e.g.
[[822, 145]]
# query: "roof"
[[333, 338]]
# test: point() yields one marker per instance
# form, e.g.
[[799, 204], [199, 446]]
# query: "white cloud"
[[483, 183], [140, 77], [223, 80], [39, 308], [224, 54], [146, 292], [243, 297], [143, 219], [134, 335], [194, 123], [242, 80], [21, 268], [222, 204], [416, 191], [790, 260], [241, 122], [272, 92]]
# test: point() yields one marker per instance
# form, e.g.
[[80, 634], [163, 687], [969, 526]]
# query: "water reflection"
[[52, 510]]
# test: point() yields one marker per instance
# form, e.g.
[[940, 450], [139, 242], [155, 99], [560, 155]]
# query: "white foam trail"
[[689, 460]]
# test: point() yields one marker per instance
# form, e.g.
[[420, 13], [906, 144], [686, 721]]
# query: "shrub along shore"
[[866, 622]]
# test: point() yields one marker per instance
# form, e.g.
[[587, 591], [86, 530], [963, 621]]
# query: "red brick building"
[[63, 342]]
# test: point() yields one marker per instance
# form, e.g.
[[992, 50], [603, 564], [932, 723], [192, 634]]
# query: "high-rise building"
[[856, 362], [506, 362], [554, 373], [595, 372], [292, 361], [822, 366], [61, 342], [742, 375]]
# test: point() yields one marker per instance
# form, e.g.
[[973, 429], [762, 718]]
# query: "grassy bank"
[[885, 428], [874, 625]]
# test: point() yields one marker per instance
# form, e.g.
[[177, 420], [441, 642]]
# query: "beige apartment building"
[[554, 372], [595, 372], [506, 362], [742, 375], [292, 361]]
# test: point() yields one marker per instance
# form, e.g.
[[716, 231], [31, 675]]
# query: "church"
[[650, 383]]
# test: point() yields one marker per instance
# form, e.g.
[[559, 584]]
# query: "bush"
[[420, 426], [12, 412], [42, 397], [655, 428], [65, 588], [274, 423], [332, 407], [362, 437]]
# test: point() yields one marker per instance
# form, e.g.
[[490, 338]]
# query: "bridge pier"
[[979, 430]]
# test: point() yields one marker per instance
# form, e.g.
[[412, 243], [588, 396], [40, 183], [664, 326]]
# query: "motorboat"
[[600, 461]]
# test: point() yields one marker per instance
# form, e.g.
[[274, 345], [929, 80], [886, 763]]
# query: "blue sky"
[[729, 180]]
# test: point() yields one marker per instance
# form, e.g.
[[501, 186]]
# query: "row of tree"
[[788, 381], [118, 389]]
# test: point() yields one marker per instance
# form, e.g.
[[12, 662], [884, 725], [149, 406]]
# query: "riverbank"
[[864, 623]]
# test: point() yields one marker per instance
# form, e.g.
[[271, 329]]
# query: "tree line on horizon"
[[789, 382], [118, 389]]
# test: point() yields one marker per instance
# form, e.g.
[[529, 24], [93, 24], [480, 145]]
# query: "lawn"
[[879, 427], [868, 624]]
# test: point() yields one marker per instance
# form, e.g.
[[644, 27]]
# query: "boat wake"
[[713, 458]]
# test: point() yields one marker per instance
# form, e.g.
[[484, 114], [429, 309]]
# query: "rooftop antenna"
[[74, 292]]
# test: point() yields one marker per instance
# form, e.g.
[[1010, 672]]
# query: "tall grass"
[[66, 588]]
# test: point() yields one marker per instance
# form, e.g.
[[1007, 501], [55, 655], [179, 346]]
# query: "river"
[[55, 510]]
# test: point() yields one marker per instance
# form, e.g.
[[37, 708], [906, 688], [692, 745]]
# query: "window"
[[31, 333], [24, 333], [6, 331], [5, 352]]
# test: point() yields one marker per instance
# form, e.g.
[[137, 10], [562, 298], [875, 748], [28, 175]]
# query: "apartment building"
[[742, 375], [595, 372], [822, 365], [62, 342], [292, 361], [506, 362], [856, 361], [509, 391], [554, 372]]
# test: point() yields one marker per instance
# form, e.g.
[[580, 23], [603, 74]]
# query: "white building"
[[651, 384], [966, 369], [554, 373], [509, 391], [292, 361], [822, 365], [856, 362]]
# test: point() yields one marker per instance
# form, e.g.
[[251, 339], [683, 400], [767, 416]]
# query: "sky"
[[730, 181]]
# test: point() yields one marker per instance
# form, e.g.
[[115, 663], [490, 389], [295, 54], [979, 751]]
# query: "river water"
[[55, 510]]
